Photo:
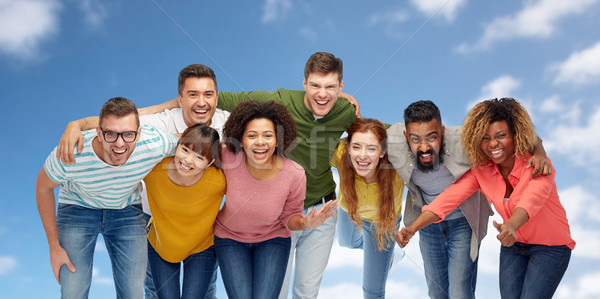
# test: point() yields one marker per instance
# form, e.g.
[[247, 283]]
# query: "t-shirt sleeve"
[[337, 155], [161, 121], [169, 143], [55, 168], [295, 201]]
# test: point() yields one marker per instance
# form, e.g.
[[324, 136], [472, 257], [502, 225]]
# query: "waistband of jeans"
[[326, 198]]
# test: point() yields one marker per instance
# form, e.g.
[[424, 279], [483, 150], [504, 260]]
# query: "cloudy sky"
[[62, 59]]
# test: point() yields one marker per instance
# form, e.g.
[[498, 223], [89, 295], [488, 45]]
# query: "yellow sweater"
[[183, 217], [368, 194]]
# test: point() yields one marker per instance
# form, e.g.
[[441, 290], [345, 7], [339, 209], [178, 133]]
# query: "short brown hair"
[[324, 63], [119, 107], [196, 71], [243, 113], [203, 140]]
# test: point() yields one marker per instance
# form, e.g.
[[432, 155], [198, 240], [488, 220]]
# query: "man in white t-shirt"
[[197, 97]]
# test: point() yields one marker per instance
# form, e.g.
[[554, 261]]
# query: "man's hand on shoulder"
[[352, 101], [71, 136]]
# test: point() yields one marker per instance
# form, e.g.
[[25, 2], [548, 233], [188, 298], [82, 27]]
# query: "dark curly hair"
[[243, 113]]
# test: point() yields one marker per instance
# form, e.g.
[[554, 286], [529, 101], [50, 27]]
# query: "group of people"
[[243, 182]]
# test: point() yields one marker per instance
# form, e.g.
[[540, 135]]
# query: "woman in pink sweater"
[[264, 201], [536, 242]]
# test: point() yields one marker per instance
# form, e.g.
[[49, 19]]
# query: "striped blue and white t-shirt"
[[93, 183]]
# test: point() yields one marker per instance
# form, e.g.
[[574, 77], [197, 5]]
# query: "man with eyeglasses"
[[428, 158], [100, 193]]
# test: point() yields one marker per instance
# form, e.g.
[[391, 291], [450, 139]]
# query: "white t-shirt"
[[171, 121]]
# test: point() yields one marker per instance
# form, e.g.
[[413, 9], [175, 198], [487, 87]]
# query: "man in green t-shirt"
[[321, 118]]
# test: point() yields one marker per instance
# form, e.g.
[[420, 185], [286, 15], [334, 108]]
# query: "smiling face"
[[259, 143], [322, 91], [498, 145], [198, 100], [116, 153], [425, 141], [365, 151], [188, 163]]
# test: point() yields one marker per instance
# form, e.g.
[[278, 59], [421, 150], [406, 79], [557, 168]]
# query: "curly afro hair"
[[243, 113], [478, 120]]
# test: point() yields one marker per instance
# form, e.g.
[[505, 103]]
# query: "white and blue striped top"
[[93, 183]]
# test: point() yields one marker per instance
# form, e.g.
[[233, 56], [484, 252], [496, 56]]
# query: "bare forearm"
[[44, 192], [426, 218], [296, 222], [159, 108], [538, 148], [518, 219], [83, 124]]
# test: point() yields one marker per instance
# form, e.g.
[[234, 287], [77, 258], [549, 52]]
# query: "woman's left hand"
[[317, 217], [507, 234]]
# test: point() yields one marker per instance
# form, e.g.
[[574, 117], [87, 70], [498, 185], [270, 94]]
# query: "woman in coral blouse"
[[265, 196], [370, 201], [536, 242]]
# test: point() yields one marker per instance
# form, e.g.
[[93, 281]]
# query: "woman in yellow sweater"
[[370, 201], [185, 193]]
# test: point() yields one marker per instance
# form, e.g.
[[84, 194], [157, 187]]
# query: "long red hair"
[[386, 228]]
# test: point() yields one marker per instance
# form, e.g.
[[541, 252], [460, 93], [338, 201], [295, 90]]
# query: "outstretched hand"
[[71, 136], [59, 257], [404, 236], [317, 217], [507, 234]]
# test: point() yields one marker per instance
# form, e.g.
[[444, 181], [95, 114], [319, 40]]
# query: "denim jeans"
[[449, 270], [252, 270], [376, 262], [532, 271], [311, 249], [198, 270], [125, 239]]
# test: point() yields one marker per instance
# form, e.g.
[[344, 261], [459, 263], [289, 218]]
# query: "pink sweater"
[[547, 223], [256, 210]]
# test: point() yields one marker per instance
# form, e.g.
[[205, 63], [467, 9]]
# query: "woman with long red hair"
[[369, 201]]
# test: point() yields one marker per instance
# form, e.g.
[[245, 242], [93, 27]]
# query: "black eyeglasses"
[[110, 136]]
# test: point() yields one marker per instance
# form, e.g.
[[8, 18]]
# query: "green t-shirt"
[[317, 138]]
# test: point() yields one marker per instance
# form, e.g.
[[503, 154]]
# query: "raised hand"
[[317, 217]]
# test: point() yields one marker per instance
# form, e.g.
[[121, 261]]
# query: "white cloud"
[[537, 19], [580, 68], [552, 105], [7, 263], [99, 279], [275, 9], [585, 287], [93, 11], [578, 141], [448, 8], [389, 19], [344, 257], [25, 24], [500, 87]]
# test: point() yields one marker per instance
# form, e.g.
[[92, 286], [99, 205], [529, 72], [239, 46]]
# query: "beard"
[[434, 164]]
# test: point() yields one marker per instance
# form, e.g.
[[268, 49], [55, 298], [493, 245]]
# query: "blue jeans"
[[532, 271], [198, 270], [125, 239], [311, 249], [252, 270], [376, 262], [449, 270], [150, 290]]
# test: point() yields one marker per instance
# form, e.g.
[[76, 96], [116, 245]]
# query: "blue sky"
[[61, 60]]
